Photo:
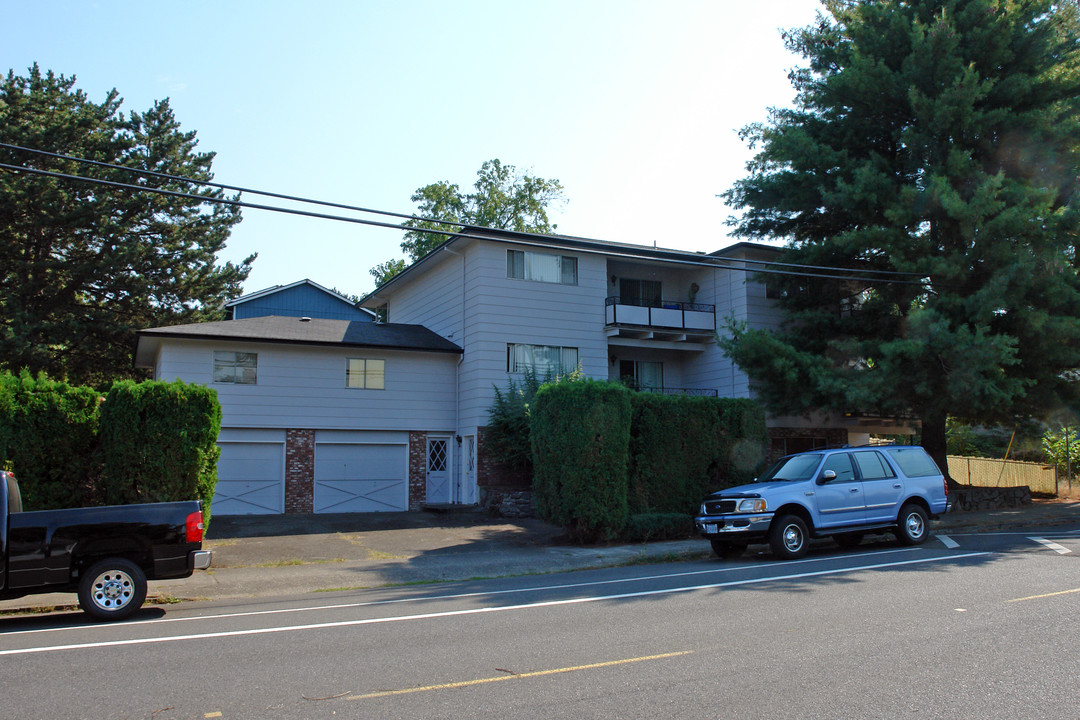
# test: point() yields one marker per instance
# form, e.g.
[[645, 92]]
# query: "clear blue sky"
[[633, 106]]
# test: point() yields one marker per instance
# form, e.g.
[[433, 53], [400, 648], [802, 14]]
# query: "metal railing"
[[695, 392], [661, 304], [694, 317]]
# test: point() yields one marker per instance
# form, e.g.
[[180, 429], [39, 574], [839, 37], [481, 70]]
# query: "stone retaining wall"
[[990, 498], [507, 502]]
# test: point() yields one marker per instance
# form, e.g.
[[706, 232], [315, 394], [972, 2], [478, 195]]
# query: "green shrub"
[[160, 442], [649, 527], [48, 437], [683, 447], [580, 440]]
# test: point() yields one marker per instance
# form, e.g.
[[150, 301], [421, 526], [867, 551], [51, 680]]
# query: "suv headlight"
[[752, 505]]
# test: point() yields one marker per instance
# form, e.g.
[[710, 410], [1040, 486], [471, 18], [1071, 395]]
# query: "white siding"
[[304, 387]]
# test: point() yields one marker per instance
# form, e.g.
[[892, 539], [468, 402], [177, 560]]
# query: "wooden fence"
[[988, 472]]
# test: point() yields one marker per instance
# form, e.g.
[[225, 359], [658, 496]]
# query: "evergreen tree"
[[83, 266], [504, 199], [939, 138]]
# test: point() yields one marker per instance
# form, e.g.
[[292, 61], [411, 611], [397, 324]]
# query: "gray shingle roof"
[[314, 331]]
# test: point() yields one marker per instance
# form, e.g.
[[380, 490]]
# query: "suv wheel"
[[788, 537], [911, 525]]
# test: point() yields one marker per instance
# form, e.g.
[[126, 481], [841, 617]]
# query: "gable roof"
[[281, 288], [298, 331]]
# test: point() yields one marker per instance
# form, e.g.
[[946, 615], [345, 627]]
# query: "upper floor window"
[[641, 293], [541, 267], [365, 373], [544, 360], [239, 368]]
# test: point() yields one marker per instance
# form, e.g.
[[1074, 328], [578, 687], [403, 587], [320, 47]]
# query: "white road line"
[[948, 541], [1059, 549], [478, 611], [454, 596]]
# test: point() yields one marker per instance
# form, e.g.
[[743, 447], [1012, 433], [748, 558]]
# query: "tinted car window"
[[841, 465], [872, 466], [913, 461]]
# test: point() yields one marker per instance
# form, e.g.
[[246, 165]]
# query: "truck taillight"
[[945, 481], [194, 527]]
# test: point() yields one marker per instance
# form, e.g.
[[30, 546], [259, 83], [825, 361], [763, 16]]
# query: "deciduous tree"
[[504, 198]]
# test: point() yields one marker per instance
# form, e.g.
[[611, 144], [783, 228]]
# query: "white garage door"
[[251, 479], [361, 478]]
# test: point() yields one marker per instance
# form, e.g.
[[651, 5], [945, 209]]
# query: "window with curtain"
[[366, 374], [645, 375], [640, 293], [541, 267], [544, 360]]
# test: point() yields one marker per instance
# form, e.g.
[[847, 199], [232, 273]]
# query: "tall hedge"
[[580, 440], [48, 438], [160, 442], [683, 447]]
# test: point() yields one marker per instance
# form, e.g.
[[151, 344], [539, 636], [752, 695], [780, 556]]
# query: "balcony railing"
[[695, 392], [664, 314]]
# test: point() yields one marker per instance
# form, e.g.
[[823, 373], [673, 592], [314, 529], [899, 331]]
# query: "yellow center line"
[[1036, 597], [521, 676]]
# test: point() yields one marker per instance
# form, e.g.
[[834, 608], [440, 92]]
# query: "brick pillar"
[[299, 471], [417, 469]]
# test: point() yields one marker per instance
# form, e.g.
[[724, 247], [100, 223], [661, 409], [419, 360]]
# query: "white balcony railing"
[[666, 315]]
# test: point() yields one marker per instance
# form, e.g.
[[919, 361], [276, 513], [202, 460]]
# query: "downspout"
[[459, 470]]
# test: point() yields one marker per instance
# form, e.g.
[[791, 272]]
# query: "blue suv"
[[841, 493]]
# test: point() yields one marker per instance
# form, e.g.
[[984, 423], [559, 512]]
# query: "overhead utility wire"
[[235, 188], [359, 221], [341, 206]]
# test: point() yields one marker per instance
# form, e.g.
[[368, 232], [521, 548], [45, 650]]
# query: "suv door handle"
[[854, 489], [897, 485]]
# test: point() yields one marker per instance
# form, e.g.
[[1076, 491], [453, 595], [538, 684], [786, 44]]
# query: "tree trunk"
[[933, 441]]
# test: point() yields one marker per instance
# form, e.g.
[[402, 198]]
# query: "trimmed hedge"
[[160, 442], [580, 440], [49, 438]]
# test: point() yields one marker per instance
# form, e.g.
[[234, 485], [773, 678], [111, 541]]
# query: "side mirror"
[[826, 477]]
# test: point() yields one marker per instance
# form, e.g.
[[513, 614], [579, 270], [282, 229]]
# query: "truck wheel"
[[788, 537], [112, 589], [911, 525], [724, 549]]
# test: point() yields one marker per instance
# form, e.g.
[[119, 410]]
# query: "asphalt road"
[[977, 625]]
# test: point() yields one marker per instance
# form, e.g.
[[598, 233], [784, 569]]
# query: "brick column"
[[299, 471], [417, 469]]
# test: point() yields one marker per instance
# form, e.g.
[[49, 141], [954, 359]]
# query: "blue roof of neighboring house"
[[299, 299]]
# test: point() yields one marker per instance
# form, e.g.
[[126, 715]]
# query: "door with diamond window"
[[438, 470]]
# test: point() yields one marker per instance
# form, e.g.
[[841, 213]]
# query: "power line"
[[514, 239], [342, 206]]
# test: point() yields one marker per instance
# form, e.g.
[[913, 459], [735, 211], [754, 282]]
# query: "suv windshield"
[[795, 467]]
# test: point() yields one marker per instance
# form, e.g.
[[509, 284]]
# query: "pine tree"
[[939, 138], [83, 266]]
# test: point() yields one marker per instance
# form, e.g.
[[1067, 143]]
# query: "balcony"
[[666, 321]]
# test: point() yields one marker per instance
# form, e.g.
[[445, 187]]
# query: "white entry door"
[[438, 470]]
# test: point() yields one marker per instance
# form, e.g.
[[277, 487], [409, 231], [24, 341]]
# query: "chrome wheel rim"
[[915, 525], [793, 538], [112, 590]]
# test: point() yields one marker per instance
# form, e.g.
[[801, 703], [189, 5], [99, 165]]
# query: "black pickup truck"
[[105, 554]]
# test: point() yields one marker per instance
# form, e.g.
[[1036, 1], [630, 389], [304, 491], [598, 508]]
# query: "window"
[[840, 464], [872, 466], [640, 293], [645, 375], [544, 360], [541, 267], [913, 461], [365, 373], [239, 368]]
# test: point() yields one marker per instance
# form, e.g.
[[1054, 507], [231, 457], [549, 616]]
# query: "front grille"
[[718, 507]]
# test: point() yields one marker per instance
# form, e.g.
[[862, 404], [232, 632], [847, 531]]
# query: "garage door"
[[361, 477], [251, 479]]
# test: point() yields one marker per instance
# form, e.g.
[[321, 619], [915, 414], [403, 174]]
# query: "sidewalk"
[[268, 556]]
